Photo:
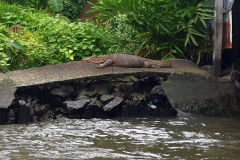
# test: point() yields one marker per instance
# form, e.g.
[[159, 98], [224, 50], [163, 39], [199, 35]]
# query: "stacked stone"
[[125, 97]]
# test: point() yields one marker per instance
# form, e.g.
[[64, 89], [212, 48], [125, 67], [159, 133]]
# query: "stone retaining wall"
[[132, 96]]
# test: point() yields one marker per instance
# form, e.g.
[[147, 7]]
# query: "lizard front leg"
[[108, 62]]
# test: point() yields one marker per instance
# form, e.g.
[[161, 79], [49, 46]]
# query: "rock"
[[48, 115], [71, 105], [58, 116], [22, 102], [86, 93], [199, 94], [24, 113], [101, 87], [105, 98], [7, 95], [157, 94], [31, 104], [63, 91], [208, 68], [94, 105], [40, 109], [11, 117], [138, 98], [34, 119], [126, 86], [128, 103], [112, 104], [157, 90], [61, 110], [118, 94], [82, 97]]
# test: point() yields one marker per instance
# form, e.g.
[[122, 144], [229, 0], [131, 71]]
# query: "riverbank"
[[80, 90]]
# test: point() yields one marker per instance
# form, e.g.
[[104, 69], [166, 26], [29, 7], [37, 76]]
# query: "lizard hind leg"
[[108, 62]]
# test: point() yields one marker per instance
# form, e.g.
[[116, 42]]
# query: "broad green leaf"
[[52, 39], [97, 50], [87, 53], [84, 47], [3, 55], [71, 57], [174, 51], [17, 45], [55, 5], [65, 19], [67, 54]]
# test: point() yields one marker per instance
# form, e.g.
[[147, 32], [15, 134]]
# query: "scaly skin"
[[125, 60]]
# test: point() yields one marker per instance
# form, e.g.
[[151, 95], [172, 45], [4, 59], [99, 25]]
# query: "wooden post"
[[218, 32]]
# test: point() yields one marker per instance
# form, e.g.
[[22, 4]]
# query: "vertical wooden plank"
[[218, 33]]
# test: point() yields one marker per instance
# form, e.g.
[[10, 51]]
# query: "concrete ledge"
[[79, 69]]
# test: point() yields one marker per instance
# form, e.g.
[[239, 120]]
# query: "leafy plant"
[[67, 8], [123, 36], [55, 5], [166, 28], [72, 8], [45, 39], [4, 51]]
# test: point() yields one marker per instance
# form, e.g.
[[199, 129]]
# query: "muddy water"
[[143, 138]]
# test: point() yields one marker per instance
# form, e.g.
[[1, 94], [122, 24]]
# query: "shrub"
[[166, 27], [123, 36], [45, 39], [68, 8]]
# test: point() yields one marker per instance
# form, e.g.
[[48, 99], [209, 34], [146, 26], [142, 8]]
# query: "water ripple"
[[178, 138]]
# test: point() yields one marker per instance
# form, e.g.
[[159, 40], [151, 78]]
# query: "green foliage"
[[55, 5], [38, 4], [45, 39], [72, 8], [122, 35], [4, 50], [67, 8], [165, 28]]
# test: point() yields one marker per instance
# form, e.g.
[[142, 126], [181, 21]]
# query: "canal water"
[[184, 137]]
